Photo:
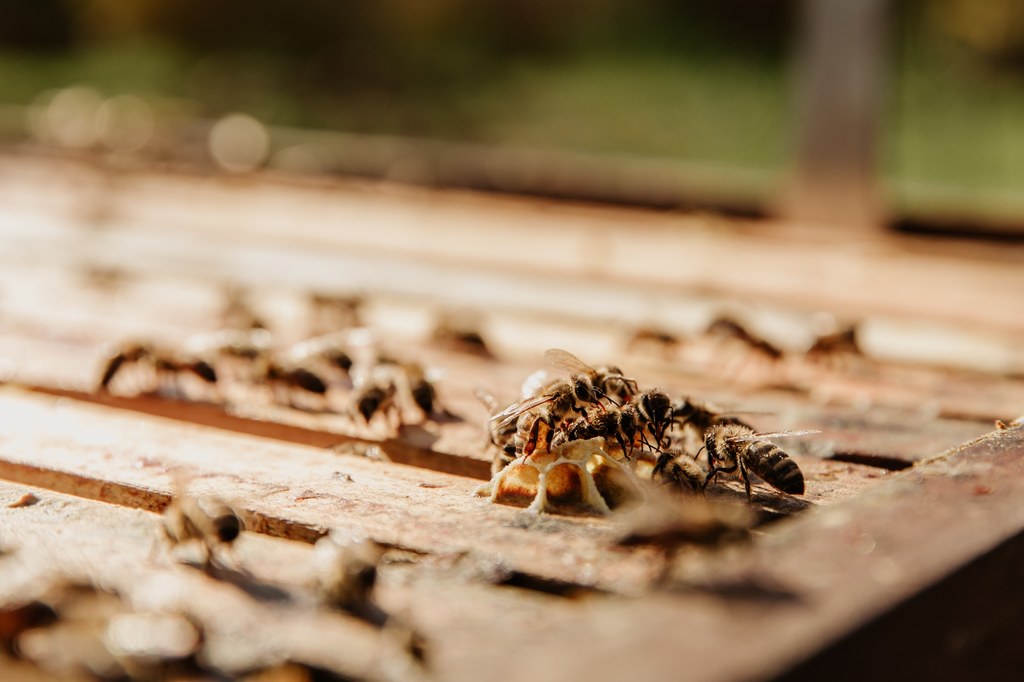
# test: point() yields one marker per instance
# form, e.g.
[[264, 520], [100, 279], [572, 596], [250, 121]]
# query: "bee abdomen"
[[776, 468]]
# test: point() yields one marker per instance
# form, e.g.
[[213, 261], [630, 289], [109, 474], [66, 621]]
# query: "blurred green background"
[[704, 83]]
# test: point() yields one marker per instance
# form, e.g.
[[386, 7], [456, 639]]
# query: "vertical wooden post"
[[840, 69]]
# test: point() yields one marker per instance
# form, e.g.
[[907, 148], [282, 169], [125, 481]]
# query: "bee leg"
[[621, 442], [746, 479]]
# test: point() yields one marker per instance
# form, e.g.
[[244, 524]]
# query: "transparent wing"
[[512, 412], [772, 434], [563, 359]]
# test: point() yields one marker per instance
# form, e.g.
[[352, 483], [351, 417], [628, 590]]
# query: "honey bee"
[[608, 381], [286, 381], [729, 328], [736, 446], [653, 340], [205, 520], [842, 340], [166, 366], [680, 471], [347, 571], [1012, 424], [412, 381], [564, 400], [617, 427], [373, 395], [129, 354], [653, 415], [500, 436]]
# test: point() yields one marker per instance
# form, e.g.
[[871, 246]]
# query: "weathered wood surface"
[[496, 253], [261, 612], [55, 336], [789, 594], [300, 492], [483, 580]]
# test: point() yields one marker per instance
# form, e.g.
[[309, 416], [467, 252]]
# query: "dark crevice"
[[550, 586], [887, 462]]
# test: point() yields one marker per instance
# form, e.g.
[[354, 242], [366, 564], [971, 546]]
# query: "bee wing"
[[772, 434], [563, 359], [512, 412]]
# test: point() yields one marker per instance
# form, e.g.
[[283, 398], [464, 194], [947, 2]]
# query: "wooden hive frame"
[[905, 545]]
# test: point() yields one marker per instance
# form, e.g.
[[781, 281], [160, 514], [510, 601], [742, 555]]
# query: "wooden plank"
[[298, 492], [61, 347], [828, 573], [588, 253], [260, 613], [787, 595]]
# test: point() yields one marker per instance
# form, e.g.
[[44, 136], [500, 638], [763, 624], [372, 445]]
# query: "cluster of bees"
[[589, 441], [305, 376], [836, 344], [80, 630]]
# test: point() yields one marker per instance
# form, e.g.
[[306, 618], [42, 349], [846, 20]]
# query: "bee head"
[[712, 443], [227, 526], [584, 391]]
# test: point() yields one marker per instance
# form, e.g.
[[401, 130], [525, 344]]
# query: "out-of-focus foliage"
[[698, 81], [993, 28]]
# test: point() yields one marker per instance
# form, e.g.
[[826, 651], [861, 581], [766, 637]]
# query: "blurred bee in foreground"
[[345, 579], [76, 630], [679, 471], [205, 521], [732, 447], [347, 573]]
